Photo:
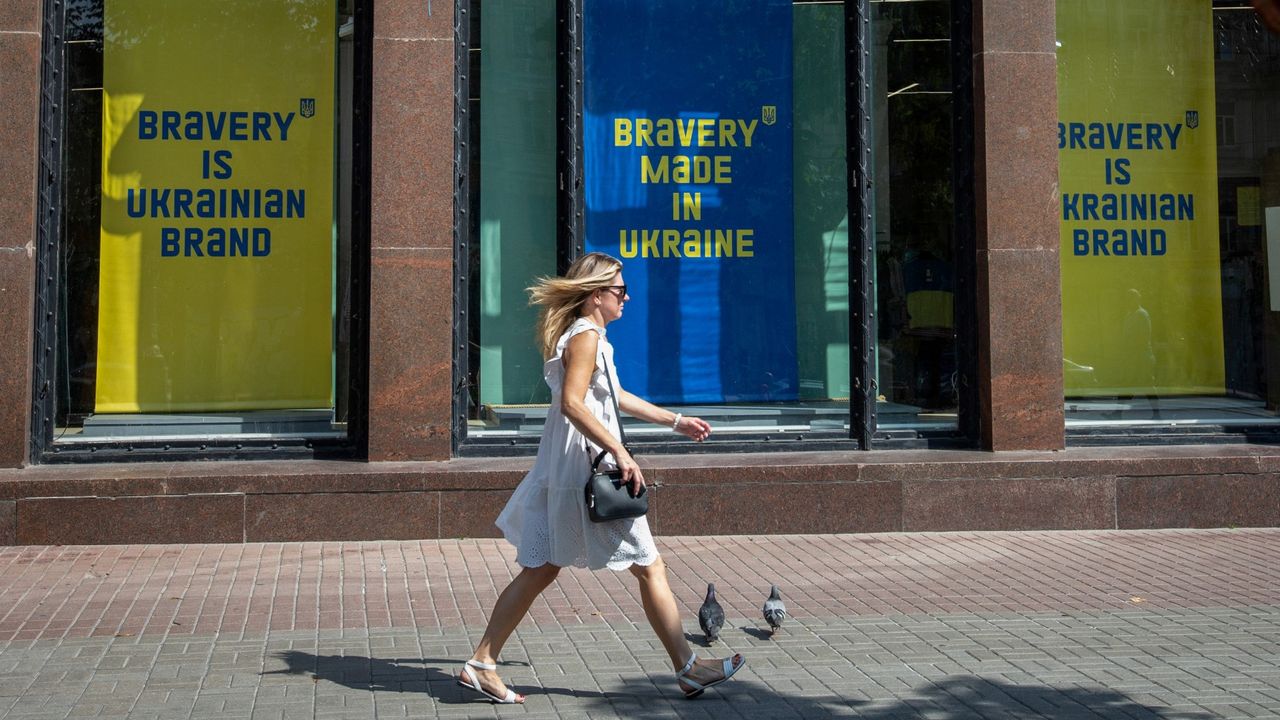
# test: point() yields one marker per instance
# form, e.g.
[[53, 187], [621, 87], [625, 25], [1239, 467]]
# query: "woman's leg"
[[664, 615], [661, 610], [510, 609]]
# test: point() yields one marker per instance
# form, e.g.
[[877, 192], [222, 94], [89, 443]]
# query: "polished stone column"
[[410, 334], [1019, 282], [20, 34]]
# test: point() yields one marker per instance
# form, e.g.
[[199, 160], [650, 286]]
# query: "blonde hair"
[[562, 298]]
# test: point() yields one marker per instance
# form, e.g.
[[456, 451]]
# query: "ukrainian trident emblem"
[[307, 107], [1193, 119], [769, 114]]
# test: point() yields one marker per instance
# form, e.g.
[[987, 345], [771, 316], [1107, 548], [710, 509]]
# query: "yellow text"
[[686, 169], [708, 243], [678, 132]]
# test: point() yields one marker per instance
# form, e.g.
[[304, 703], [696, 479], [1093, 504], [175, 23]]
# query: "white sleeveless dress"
[[546, 517]]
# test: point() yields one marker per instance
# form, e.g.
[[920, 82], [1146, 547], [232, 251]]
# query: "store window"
[[713, 161], [200, 292], [1170, 180]]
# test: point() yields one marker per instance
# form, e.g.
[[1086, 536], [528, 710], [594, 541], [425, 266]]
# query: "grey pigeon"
[[711, 615], [774, 611]]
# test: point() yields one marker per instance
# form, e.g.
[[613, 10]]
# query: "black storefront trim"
[[48, 224], [466, 164], [570, 243], [862, 291], [43, 447], [965, 228], [361, 228]]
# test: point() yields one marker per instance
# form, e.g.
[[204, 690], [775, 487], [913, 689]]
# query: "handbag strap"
[[617, 413]]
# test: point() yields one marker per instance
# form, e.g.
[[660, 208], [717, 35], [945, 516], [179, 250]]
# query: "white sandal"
[[698, 688], [511, 698]]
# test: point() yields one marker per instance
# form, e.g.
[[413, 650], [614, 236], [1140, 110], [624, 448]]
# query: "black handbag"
[[608, 496]]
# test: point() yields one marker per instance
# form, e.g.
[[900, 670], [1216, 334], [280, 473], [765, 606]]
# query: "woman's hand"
[[630, 472], [693, 427]]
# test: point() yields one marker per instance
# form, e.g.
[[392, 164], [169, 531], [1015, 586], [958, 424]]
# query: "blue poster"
[[687, 142]]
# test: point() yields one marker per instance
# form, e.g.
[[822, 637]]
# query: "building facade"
[[923, 264]]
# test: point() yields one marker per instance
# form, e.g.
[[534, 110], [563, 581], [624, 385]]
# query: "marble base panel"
[[342, 516], [130, 520], [8, 522], [781, 493], [1200, 501], [728, 508], [471, 514], [1009, 504]]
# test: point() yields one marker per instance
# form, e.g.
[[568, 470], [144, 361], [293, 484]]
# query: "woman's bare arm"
[[579, 360], [694, 427]]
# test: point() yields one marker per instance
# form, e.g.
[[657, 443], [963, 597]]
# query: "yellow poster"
[[1141, 286], [217, 205]]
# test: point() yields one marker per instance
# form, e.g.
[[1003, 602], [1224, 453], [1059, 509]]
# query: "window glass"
[[747, 325], [714, 166], [514, 241], [915, 256], [205, 237], [821, 200], [1168, 174]]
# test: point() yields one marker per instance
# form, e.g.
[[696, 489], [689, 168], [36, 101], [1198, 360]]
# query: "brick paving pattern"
[[1153, 624]]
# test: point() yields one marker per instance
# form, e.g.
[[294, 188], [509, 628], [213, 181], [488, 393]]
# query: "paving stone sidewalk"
[[1159, 624]]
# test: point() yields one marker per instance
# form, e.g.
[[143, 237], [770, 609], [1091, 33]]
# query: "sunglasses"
[[619, 290]]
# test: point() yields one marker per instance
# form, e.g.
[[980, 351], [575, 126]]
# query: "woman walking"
[[546, 517]]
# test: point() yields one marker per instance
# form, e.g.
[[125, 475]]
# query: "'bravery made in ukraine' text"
[[673, 155]]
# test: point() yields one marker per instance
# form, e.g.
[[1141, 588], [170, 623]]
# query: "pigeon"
[[711, 615], [774, 611]]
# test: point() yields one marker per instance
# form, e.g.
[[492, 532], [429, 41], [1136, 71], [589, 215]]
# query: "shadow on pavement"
[[697, 639], [953, 698], [701, 640], [401, 675]]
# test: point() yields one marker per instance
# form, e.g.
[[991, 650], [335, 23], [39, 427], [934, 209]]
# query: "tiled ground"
[[1166, 624]]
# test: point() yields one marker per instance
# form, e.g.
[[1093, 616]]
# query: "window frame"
[[862, 433], [43, 447]]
